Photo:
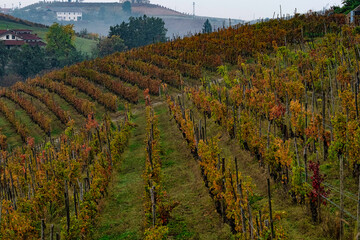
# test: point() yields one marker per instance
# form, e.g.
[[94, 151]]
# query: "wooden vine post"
[[153, 205], [67, 206], [341, 196], [270, 210], [43, 226], [358, 215]]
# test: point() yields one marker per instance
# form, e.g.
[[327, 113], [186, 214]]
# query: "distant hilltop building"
[[135, 1], [5, 10], [19, 37], [68, 14]]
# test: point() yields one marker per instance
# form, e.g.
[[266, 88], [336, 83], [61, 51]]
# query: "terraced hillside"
[[231, 135]]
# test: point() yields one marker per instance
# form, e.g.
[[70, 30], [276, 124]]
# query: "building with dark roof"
[[19, 37]]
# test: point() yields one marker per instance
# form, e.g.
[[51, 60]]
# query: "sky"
[[236, 9]]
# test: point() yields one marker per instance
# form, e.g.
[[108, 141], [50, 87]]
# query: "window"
[[7, 36], [13, 36]]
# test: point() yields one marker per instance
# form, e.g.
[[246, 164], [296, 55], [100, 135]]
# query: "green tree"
[[126, 7], [207, 28], [109, 45], [348, 5], [28, 61], [4, 56], [60, 45], [140, 31]]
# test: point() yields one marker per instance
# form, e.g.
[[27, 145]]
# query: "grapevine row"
[[109, 100], [71, 174], [83, 106], [166, 75], [164, 62], [11, 117], [39, 118], [83, 70], [136, 78], [229, 190], [157, 204]]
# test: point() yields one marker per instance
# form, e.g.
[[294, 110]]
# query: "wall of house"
[[9, 36], [69, 16]]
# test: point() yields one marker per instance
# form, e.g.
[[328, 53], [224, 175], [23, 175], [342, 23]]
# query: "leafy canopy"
[[60, 45], [28, 61], [126, 7], [140, 31], [110, 45], [207, 28], [4, 56], [348, 5]]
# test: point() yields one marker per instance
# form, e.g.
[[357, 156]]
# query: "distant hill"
[[9, 18], [98, 17]]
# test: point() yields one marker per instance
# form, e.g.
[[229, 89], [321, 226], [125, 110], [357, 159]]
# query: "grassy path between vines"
[[195, 217], [122, 216]]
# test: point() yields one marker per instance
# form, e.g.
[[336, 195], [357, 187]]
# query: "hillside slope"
[[264, 111]]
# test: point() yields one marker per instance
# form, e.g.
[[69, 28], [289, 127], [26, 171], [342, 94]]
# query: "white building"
[[69, 14], [135, 1]]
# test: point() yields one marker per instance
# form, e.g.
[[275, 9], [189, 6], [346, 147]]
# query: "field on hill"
[[250, 132]]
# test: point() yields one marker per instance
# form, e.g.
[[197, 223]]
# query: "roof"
[[14, 42], [4, 31], [67, 9], [26, 36], [21, 42]]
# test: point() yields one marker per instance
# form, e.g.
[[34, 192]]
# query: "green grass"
[[85, 45], [195, 217], [122, 214]]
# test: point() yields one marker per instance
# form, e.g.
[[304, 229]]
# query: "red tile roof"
[[14, 42], [4, 31], [26, 36]]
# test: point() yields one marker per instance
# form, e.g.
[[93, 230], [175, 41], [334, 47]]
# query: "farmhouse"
[[68, 14], [19, 37]]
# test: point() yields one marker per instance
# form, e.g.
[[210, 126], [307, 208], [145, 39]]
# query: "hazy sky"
[[240, 9]]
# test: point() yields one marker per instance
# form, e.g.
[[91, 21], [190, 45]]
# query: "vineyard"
[[250, 132]]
